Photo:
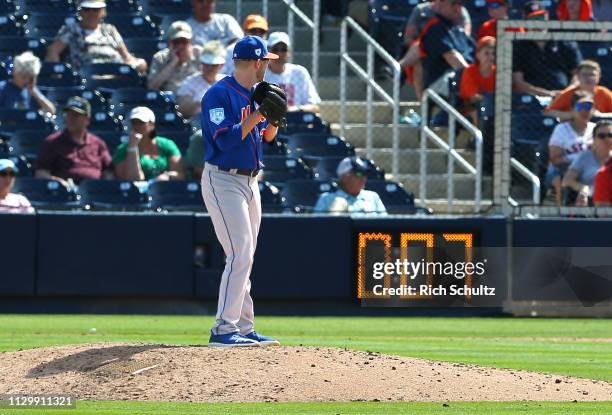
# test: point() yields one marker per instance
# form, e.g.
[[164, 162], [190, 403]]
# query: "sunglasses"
[[604, 135], [280, 49], [584, 106], [9, 173], [257, 32]]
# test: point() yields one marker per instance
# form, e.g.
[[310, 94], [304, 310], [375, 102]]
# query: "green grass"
[[574, 347]]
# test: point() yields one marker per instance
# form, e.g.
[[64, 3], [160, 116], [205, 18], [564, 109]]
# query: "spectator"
[[147, 156], [575, 10], [602, 193], [294, 79], [207, 25], [444, 45], [21, 92], [543, 67], [351, 197], [498, 10], [411, 62], [602, 10], [254, 25], [478, 78], [11, 202], [580, 175], [588, 76], [194, 158], [91, 41], [172, 65], [191, 91], [74, 153], [568, 139]]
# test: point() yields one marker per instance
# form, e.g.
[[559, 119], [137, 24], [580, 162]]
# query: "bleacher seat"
[[325, 167], [176, 195], [50, 6], [112, 138], [8, 7], [144, 48], [276, 147], [271, 199], [134, 25], [301, 195], [124, 99], [122, 7], [46, 194], [393, 195], [526, 104], [168, 121], [104, 121], [602, 53], [56, 74], [27, 142], [110, 76], [317, 145], [279, 169], [304, 122], [45, 25], [15, 45], [387, 21], [9, 26], [111, 195], [13, 120], [60, 95]]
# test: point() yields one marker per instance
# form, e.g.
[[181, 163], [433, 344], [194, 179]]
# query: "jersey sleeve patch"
[[216, 115]]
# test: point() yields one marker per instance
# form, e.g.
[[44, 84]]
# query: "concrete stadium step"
[[329, 62], [329, 38], [460, 207], [277, 10], [329, 89], [356, 134], [436, 186], [410, 160], [356, 111]]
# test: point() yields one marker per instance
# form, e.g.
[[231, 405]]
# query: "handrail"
[[426, 132], [238, 15], [526, 173], [312, 24], [372, 86]]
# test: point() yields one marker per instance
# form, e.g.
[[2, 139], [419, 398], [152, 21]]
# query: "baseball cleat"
[[231, 340], [262, 340]]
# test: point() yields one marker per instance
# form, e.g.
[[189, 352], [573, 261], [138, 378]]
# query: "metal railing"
[[368, 77], [527, 174], [454, 116], [314, 24]]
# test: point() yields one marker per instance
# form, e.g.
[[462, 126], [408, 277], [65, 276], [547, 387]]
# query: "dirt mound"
[[264, 374]]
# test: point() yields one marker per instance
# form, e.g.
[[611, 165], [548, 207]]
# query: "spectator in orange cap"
[[588, 76], [479, 77], [575, 10], [498, 10], [253, 25]]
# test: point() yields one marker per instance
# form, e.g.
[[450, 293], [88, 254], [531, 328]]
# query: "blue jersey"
[[224, 106]]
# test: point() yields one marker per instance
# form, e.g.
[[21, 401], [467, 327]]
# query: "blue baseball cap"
[[252, 48]]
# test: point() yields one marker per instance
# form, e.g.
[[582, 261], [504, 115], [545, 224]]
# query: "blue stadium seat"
[[602, 53], [45, 25], [111, 195], [47, 194], [271, 199], [25, 167], [393, 195], [177, 195], [325, 167], [530, 135], [60, 95], [168, 121], [317, 145], [124, 99], [104, 121], [8, 7], [526, 104], [112, 138], [304, 122], [55, 74], [134, 25], [276, 147], [27, 142], [279, 169], [50, 6], [122, 7], [13, 120], [9, 26], [301, 195], [387, 21], [14, 45], [144, 48], [110, 76]]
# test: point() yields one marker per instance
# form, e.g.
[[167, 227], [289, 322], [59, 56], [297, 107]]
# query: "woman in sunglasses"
[[11, 202], [580, 175], [568, 139]]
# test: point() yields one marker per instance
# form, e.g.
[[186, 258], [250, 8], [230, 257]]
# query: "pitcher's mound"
[[264, 374]]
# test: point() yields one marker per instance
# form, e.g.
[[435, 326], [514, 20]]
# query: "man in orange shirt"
[[588, 74]]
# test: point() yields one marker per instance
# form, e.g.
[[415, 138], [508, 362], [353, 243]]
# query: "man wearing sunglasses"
[[11, 202], [351, 197], [294, 79]]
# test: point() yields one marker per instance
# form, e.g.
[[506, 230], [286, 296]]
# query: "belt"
[[242, 172]]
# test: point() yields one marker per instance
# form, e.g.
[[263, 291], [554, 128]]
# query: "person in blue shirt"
[[351, 197], [21, 91], [233, 130]]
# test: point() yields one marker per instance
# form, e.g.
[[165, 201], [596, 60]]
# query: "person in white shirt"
[[253, 25], [207, 25], [568, 139], [192, 89], [294, 79]]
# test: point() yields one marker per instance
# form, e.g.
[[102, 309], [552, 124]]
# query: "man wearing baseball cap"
[[301, 93], [253, 25], [498, 10], [74, 153], [181, 59], [190, 93], [11, 202], [351, 197]]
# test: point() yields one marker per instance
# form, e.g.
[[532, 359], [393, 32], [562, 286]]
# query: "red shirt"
[[603, 184], [66, 159], [489, 28], [472, 82]]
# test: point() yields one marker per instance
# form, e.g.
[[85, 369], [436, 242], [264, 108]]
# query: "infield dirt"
[[114, 371]]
